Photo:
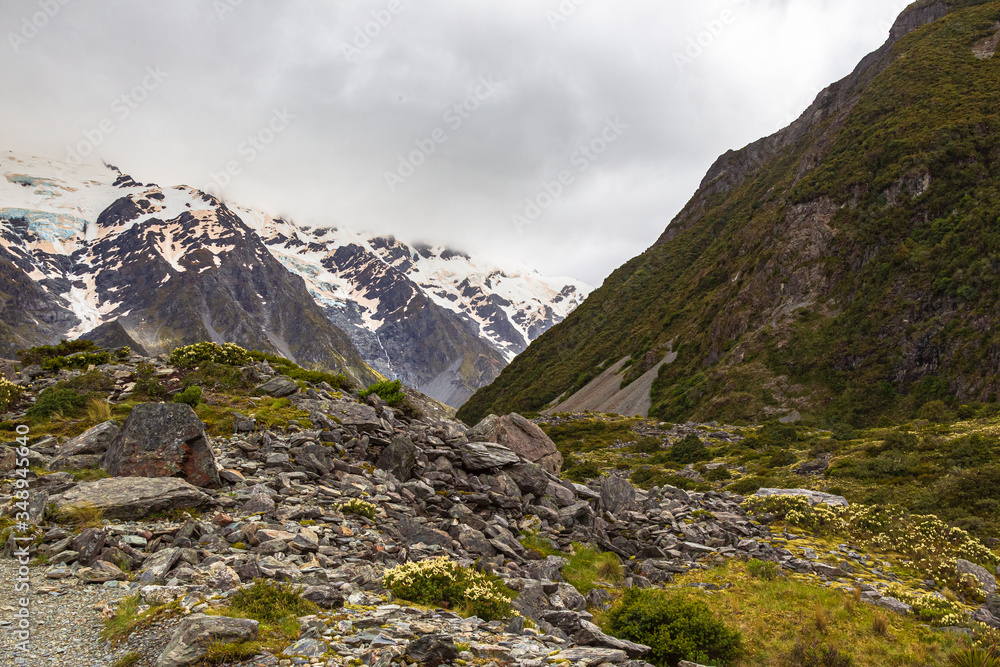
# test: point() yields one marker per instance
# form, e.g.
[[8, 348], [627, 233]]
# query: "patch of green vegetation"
[[128, 619], [278, 412], [190, 396], [65, 403], [128, 660], [442, 582], [587, 567], [389, 391], [39, 355], [89, 474], [296, 372], [689, 449], [79, 360], [775, 616], [676, 627]]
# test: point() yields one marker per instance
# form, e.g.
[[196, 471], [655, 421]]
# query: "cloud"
[[365, 86]]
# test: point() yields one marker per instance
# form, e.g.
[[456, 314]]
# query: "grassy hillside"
[[845, 268]]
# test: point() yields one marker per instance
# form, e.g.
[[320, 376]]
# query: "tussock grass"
[[82, 516]]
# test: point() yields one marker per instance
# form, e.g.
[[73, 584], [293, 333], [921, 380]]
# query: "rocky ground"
[[189, 518]]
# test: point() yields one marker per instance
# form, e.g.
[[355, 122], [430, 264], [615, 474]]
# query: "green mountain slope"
[[845, 267]]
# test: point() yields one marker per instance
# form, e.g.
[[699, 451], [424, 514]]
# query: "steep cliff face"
[[845, 266]]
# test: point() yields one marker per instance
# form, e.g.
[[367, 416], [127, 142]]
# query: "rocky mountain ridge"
[[88, 246], [817, 271]]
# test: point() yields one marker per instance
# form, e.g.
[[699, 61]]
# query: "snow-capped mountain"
[[82, 246]]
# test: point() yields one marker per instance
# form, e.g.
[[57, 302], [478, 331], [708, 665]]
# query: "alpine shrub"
[[689, 450], [190, 396], [675, 626], [390, 392], [441, 581]]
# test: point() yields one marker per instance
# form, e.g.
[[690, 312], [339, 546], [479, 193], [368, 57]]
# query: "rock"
[[362, 418], [163, 440], [480, 456], [894, 605], [432, 650], [259, 503], [309, 648], [196, 633], [94, 441], [529, 477], [617, 494], [88, 545], [993, 604], [416, 533], [279, 387], [585, 633], [155, 567], [815, 497], [475, 542], [983, 615], [101, 572], [160, 595], [217, 576], [527, 440], [987, 582], [591, 657], [398, 458], [326, 597], [131, 498]]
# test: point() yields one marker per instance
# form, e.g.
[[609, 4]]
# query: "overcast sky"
[[437, 121]]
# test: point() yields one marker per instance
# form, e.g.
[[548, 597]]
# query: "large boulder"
[[814, 497], [279, 387], [617, 494], [480, 456], [93, 442], [432, 650], [398, 458], [524, 438], [196, 633], [130, 498], [163, 440], [987, 582]]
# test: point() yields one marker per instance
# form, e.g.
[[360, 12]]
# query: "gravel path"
[[65, 621]]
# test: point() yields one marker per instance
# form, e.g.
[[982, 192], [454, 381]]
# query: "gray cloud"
[[690, 80]]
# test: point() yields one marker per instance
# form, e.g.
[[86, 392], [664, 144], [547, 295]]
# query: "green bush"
[[647, 477], [146, 384], [359, 507], [760, 569], [94, 381], [749, 485], [815, 655], [270, 602], [64, 402], [581, 472], [779, 458], [441, 581], [689, 450], [647, 446], [296, 372], [10, 393], [718, 474], [38, 355], [389, 391], [190, 396], [79, 360], [936, 411], [675, 626], [229, 354]]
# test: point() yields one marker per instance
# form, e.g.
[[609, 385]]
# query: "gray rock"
[[815, 497], [480, 456], [475, 542], [527, 440], [529, 478], [163, 440], [309, 648], [993, 604], [259, 503], [132, 498], [155, 567], [92, 442], [196, 633], [432, 650], [88, 545], [279, 387], [398, 458], [987, 581], [894, 605], [617, 494], [590, 657]]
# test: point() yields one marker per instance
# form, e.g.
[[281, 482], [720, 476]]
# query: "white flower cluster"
[[199, 353]]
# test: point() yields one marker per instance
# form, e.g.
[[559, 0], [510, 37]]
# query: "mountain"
[[82, 247], [845, 267]]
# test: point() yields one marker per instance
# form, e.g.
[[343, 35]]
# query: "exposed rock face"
[[93, 442], [197, 632], [133, 497], [163, 440], [987, 582], [815, 497], [526, 439], [480, 456]]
